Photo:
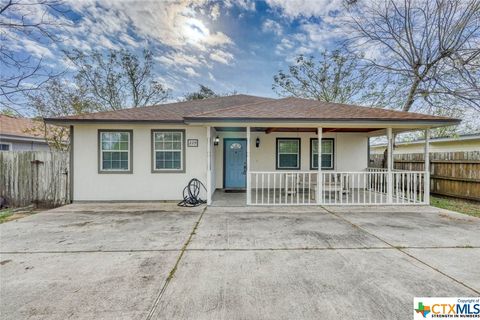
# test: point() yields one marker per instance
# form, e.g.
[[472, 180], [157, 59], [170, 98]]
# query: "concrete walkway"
[[158, 261]]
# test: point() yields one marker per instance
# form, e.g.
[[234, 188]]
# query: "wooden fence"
[[38, 177], [455, 174]]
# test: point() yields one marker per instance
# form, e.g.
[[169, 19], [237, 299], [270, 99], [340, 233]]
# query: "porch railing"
[[369, 187]]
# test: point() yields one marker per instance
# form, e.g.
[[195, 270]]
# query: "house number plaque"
[[192, 142]]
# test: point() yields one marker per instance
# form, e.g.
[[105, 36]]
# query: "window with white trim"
[[5, 146], [115, 151], [168, 150], [328, 153], [288, 153]]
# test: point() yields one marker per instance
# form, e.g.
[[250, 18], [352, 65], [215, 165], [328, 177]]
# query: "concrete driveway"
[[158, 261]]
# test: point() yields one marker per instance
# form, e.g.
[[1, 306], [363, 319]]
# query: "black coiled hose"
[[191, 194]]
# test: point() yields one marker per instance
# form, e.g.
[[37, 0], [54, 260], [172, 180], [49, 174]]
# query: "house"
[[21, 134], [461, 143], [266, 147]]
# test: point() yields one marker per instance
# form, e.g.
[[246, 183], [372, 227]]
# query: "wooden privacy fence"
[[38, 177], [455, 174]]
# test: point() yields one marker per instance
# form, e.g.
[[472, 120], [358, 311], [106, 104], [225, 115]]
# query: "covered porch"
[[342, 178]]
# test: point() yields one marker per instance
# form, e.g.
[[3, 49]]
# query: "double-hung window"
[[168, 150], [115, 151], [288, 153], [327, 153]]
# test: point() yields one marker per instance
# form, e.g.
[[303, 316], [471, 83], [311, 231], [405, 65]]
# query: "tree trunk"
[[411, 95]]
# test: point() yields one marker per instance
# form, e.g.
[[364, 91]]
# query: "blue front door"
[[235, 168]]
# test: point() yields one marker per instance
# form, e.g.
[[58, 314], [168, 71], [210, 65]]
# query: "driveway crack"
[[401, 249], [154, 307]]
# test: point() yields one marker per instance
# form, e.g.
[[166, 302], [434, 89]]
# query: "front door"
[[235, 163]]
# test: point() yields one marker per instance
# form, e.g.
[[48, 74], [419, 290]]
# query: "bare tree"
[[101, 82], [336, 77], [57, 98], [35, 21], [118, 79], [430, 48]]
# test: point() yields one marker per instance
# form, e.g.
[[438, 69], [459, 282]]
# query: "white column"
[[209, 165], [319, 172], [426, 156], [249, 191], [389, 166]]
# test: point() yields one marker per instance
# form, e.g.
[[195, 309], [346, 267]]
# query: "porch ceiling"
[[283, 129], [268, 130]]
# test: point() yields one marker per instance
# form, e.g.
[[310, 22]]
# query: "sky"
[[226, 45]]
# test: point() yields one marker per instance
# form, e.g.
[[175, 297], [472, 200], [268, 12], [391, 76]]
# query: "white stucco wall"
[[142, 184], [350, 151]]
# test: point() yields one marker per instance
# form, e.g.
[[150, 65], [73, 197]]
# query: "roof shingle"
[[21, 127], [245, 107], [169, 112], [304, 109]]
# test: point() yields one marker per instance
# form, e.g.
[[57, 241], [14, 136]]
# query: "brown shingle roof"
[[169, 112], [21, 127], [244, 107], [305, 109]]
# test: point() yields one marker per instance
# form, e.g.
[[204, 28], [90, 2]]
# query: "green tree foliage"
[[203, 92], [335, 77], [58, 98]]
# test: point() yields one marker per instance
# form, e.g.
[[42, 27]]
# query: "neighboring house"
[[21, 134], [461, 143], [268, 147]]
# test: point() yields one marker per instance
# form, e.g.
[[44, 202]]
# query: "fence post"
[[36, 182]]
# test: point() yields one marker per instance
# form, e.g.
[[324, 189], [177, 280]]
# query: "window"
[[168, 150], [327, 154], [288, 153], [115, 148], [5, 146]]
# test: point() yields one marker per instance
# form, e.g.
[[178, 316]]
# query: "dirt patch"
[[449, 217]]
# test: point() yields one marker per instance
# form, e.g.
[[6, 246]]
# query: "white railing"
[[283, 188], [369, 187], [408, 187]]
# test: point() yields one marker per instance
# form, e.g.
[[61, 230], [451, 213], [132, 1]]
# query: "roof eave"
[[4, 136], [310, 120], [68, 122]]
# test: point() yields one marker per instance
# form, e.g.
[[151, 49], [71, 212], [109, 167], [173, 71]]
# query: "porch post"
[[319, 173], [249, 193], [209, 165], [389, 166], [426, 156]]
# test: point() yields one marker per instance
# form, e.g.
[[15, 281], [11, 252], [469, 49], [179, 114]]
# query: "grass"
[[471, 208], [5, 214], [9, 214]]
